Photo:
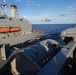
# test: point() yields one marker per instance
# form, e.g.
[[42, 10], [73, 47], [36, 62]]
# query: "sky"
[[58, 11]]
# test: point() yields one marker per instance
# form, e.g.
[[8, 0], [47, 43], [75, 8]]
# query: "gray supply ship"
[[14, 30]]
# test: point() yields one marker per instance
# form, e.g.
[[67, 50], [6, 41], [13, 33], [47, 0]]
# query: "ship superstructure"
[[14, 30]]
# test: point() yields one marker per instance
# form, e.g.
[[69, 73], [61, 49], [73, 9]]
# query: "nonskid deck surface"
[[13, 40]]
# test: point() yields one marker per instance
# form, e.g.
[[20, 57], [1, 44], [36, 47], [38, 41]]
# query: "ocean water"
[[53, 30]]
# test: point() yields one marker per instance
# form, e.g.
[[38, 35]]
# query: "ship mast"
[[3, 4]]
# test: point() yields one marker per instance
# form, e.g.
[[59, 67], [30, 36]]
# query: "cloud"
[[31, 3], [39, 20], [74, 3], [18, 0], [46, 20], [65, 14], [70, 7], [38, 4], [74, 9]]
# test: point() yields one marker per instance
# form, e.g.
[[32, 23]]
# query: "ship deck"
[[56, 64]]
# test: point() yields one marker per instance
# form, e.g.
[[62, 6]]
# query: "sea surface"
[[52, 30], [52, 27]]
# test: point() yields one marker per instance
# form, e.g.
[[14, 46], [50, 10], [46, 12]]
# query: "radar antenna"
[[3, 4]]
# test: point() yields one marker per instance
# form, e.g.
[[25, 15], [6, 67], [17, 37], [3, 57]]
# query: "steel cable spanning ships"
[[14, 30]]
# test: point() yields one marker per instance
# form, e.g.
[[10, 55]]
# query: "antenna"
[[3, 4]]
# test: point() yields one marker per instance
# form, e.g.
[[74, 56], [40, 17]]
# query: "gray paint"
[[14, 38]]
